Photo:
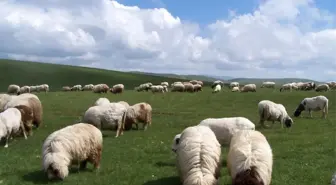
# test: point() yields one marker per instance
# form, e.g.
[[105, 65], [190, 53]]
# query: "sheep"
[[235, 89], [88, 87], [76, 88], [106, 117], [157, 88], [268, 85], [177, 87], [66, 88], [140, 112], [322, 87], [124, 103], [332, 85], [27, 118], [287, 86], [117, 89], [24, 89], [165, 84], [100, 88], [250, 158], [224, 128], [43, 87], [4, 99], [144, 87], [234, 84], [33, 88], [217, 82], [197, 87], [11, 124], [188, 87], [31, 101], [78, 143], [102, 101], [270, 111], [13, 89], [198, 156], [217, 88], [175, 142], [249, 88], [310, 104]]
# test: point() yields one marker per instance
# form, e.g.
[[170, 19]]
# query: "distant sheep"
[[144, 87], [106, 117], [225, 128], [177, 87], [250, 158], [316, 103], [88, 87], [268, 85], [188, 87], [43, 87], [270, 111], [158, 88], [140, 112], [197, 87], [33, 88], [217, 82], [322, 87], [165, 84], [66, 88], [24, 89], [117, 89], [332, 85], [235, 89], [76, 88], [198, 156], [249, 88], [287, 86], [13, 89], [234, 84], [11, 124], [217, 88], [78, 143], [100, 88], [102, 101]]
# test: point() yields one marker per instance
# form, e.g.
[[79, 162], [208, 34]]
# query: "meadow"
[[303, 154]]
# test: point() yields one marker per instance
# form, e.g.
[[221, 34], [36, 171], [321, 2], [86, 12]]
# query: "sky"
[[246, 38]]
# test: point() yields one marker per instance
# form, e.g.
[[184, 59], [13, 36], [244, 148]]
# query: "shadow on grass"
[[163, 164], [37, 177], [165, 181]]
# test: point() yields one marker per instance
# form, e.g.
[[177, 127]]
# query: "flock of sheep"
[[197, 148]]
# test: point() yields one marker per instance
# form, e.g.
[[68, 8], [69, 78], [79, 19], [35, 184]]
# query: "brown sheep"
[[140, 112], [27, 118]]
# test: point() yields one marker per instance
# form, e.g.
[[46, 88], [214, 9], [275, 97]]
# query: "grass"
[[303, 154]]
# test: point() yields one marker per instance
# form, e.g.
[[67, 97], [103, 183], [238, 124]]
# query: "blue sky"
[[252, 38]]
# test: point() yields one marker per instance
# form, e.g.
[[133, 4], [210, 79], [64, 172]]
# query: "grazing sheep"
[[224, 128], [100, 88], [27, 118], [250, 159], [316, 103], [235, 89], [31, 101], [66, 88], [78, 143], [268, 85], [4, 99], [24, 89], [102, 101], [11, 124], [176, 141], [165, 84], [217, 88], [188, 87], [287, 86], [144, 87], [234, 84], [33, 88], [197, 87], [322, 87], [140, 112], [13, 89], [249, 88], [43, 87], [88, 87], [106, 117], [217, 82], [117, 89], [76, 88], [198, 156], [270, 111], [177, 87], [157, 88], [332, 85]]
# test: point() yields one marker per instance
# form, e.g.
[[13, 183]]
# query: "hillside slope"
[[33, 73]]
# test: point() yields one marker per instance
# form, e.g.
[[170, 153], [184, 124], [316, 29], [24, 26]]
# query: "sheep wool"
[[78, 143], [4, 99], [102, 101], [270, 111], [316, 103], [198, 156], [140, 112], [250, 159]]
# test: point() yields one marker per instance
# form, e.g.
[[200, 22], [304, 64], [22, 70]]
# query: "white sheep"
[[43, 87], [102, 101], [4, 99], [215, 83], [165, 84], [235, 89], [106, 117], [188, 87], [268, 85], [250, 158], [100, 88], [24, 89], [11, 124], [217, 88], [249, 88], [13, 89], [322, 87], [78, 143], [88, 87], [197, 87], [234, 84], [124, 103], [176, 141], [33, 88], [270, 111], [287, 86], [316, 103], [177, 87], [76, 88], [157, 88], [117, 89], [225, 128], [198, 156]]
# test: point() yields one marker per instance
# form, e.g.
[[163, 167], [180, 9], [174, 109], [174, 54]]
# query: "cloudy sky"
[[253, 38]]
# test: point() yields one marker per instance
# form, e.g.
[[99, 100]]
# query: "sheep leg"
[[119, 130], [9, 134], [23, 130], [96, 157], [310, 114], [144, 125], [137, 126]]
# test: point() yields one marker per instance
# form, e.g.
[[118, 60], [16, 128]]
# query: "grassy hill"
[[33, 73], [276, 80], [185, 77]]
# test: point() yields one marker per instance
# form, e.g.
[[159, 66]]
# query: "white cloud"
[[282, 38]]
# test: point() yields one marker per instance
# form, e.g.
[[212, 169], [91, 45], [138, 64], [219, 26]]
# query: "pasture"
[[303, 154]]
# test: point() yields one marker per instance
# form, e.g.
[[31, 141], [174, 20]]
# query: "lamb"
[[11, 124], [235, 89], [177, 87], [250, 158], [106, 117], [102, 101], [217, 88], [140, 112], [78, 143], [198, 156], [270, 111], [225, 128], [31, 101], [117, 89], [13, 89], [322, 87], [24, 89], [316, 103], [249, 88], [66, 88], [268, 85]]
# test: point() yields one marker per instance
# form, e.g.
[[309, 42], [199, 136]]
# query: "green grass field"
[[303, 154]]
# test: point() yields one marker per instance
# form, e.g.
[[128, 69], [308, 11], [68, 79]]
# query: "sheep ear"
[[177, 141]]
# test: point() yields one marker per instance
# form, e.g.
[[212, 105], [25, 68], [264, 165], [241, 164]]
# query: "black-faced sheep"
[[270, 111], [316, 103]]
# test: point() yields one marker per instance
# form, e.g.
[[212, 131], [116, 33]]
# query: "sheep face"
[[176, 142], [249, 176], [299, 109], [288, 122], [57, 171]]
